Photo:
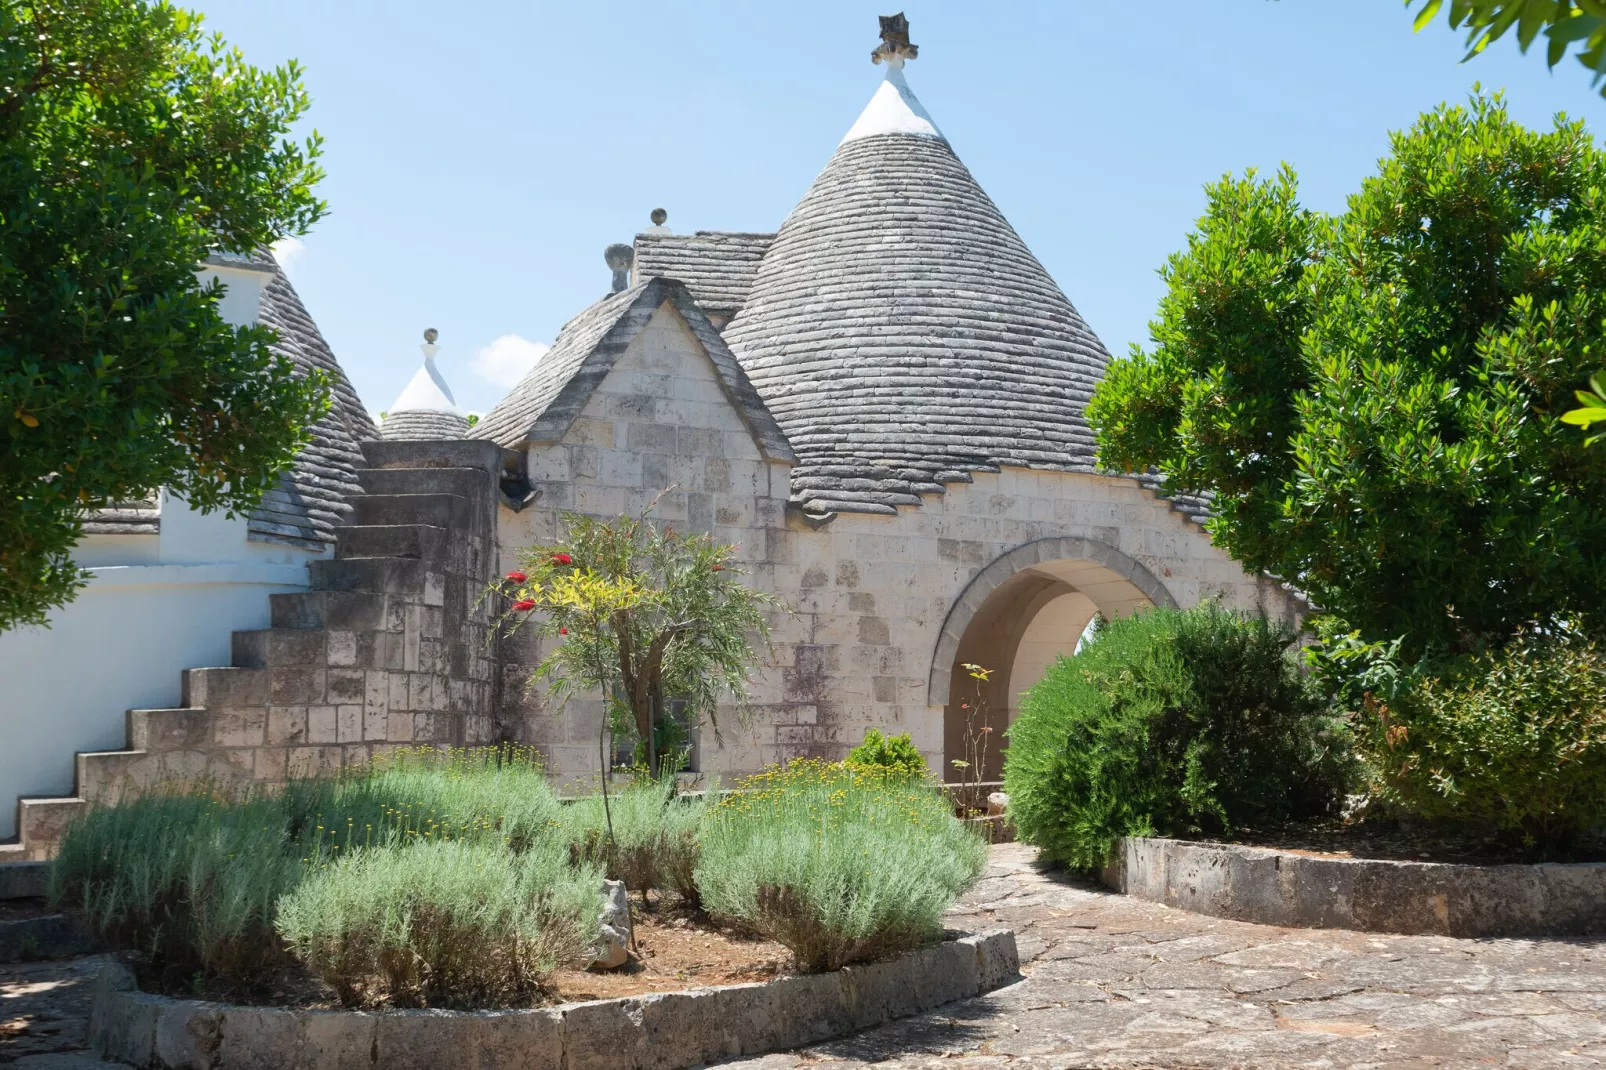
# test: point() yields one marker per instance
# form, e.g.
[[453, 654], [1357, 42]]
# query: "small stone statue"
[[613, 943]]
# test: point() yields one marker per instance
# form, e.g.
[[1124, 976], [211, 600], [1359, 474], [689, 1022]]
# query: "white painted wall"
[[155, 605]]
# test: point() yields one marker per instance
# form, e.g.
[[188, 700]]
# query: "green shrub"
[[479, 794], [188, 879], [654, 836], [890, 752], [1513, 741], [1170, 722], [839, 863], [442, 924], [191, 879]]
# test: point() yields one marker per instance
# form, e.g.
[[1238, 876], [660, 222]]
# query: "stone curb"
[[663, 1030], [54, 936], [1309, 891]]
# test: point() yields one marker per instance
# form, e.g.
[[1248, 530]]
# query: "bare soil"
[[677, 948]]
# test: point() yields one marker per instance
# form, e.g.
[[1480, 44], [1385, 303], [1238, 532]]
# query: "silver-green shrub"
[[654, 835], [838, 863], [442, 924], [188, 879], [479, 794]]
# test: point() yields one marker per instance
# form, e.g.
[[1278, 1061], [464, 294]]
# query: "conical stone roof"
[[902, 333]]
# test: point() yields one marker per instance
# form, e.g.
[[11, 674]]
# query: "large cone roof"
[[902, 333]]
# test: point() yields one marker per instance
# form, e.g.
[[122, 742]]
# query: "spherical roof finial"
[[659, 217], [430, 334]]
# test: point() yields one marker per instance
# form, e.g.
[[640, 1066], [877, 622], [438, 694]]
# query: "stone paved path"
[[1114, 982], [1111, 982]]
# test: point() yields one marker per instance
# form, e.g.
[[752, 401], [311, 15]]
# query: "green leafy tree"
[[644, 612], [1591, 407], [131, 145], [1563, 23], [1374, 397]]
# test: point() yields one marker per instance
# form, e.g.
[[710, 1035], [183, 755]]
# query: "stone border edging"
[[663, 1030], [1273, 887], [50, 936]]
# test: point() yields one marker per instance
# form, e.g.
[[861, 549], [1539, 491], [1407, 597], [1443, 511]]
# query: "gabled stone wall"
[[871, 593]]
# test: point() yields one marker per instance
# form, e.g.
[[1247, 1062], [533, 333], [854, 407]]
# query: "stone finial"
[[659, 217], [430, 334], [619, 257], [895, 46]]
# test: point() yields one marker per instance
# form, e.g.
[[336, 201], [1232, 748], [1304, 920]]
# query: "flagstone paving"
[[1111, 982], [1114, 982]]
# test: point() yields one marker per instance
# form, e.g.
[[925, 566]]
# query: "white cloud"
[[287, 251], [505, 360]]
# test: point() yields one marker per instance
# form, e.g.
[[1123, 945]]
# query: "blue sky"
[[482, 154]]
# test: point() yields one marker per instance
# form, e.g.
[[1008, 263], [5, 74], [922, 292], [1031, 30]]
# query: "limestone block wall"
[[390, 646], [872, 594]]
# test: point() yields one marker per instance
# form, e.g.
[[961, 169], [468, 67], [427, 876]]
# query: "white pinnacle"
[[894, 110], [427, 391]]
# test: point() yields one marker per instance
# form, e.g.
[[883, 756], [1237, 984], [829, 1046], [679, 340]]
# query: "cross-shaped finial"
[[895, 46]]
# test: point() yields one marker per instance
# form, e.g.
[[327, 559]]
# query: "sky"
[[480, 155]]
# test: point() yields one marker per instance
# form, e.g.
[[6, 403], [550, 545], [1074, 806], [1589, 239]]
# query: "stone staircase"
[[389, 647]]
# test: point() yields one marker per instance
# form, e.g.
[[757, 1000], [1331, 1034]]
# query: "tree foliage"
[[1170, 722], [131, 145], [1374, 397], [654, 611], [1564, 23]]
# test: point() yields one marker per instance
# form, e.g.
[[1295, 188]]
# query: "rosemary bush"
[[1171, 722], [654, 836], [442, 923], [190, 880], [839, 863], [479, 794]]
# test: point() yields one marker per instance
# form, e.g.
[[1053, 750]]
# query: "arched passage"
[[1014, 617]]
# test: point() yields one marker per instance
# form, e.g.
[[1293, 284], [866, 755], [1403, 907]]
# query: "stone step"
[[348, 611], [220, 687], [267, 647], [164, 730], [462, 453], [19, 879], [422, 541], [284, 648], [40, 823], [439, 510], [471, 483], [104, 776], [378, 575]]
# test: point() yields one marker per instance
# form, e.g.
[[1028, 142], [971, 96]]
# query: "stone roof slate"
[[418, 425], [549, 397], [904, 336], [718, 267], [308, 502]]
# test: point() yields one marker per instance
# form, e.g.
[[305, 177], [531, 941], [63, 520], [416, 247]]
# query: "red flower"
[[563, 559], [563, 631], [517, 577], [524, 605], [718, 568]]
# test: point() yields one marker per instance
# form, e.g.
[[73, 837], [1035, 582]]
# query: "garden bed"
[[1314, 890], [661, 1029], [1390, 841], [676, 948]]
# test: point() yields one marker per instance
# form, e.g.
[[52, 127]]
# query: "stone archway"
[[1015, 615]]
